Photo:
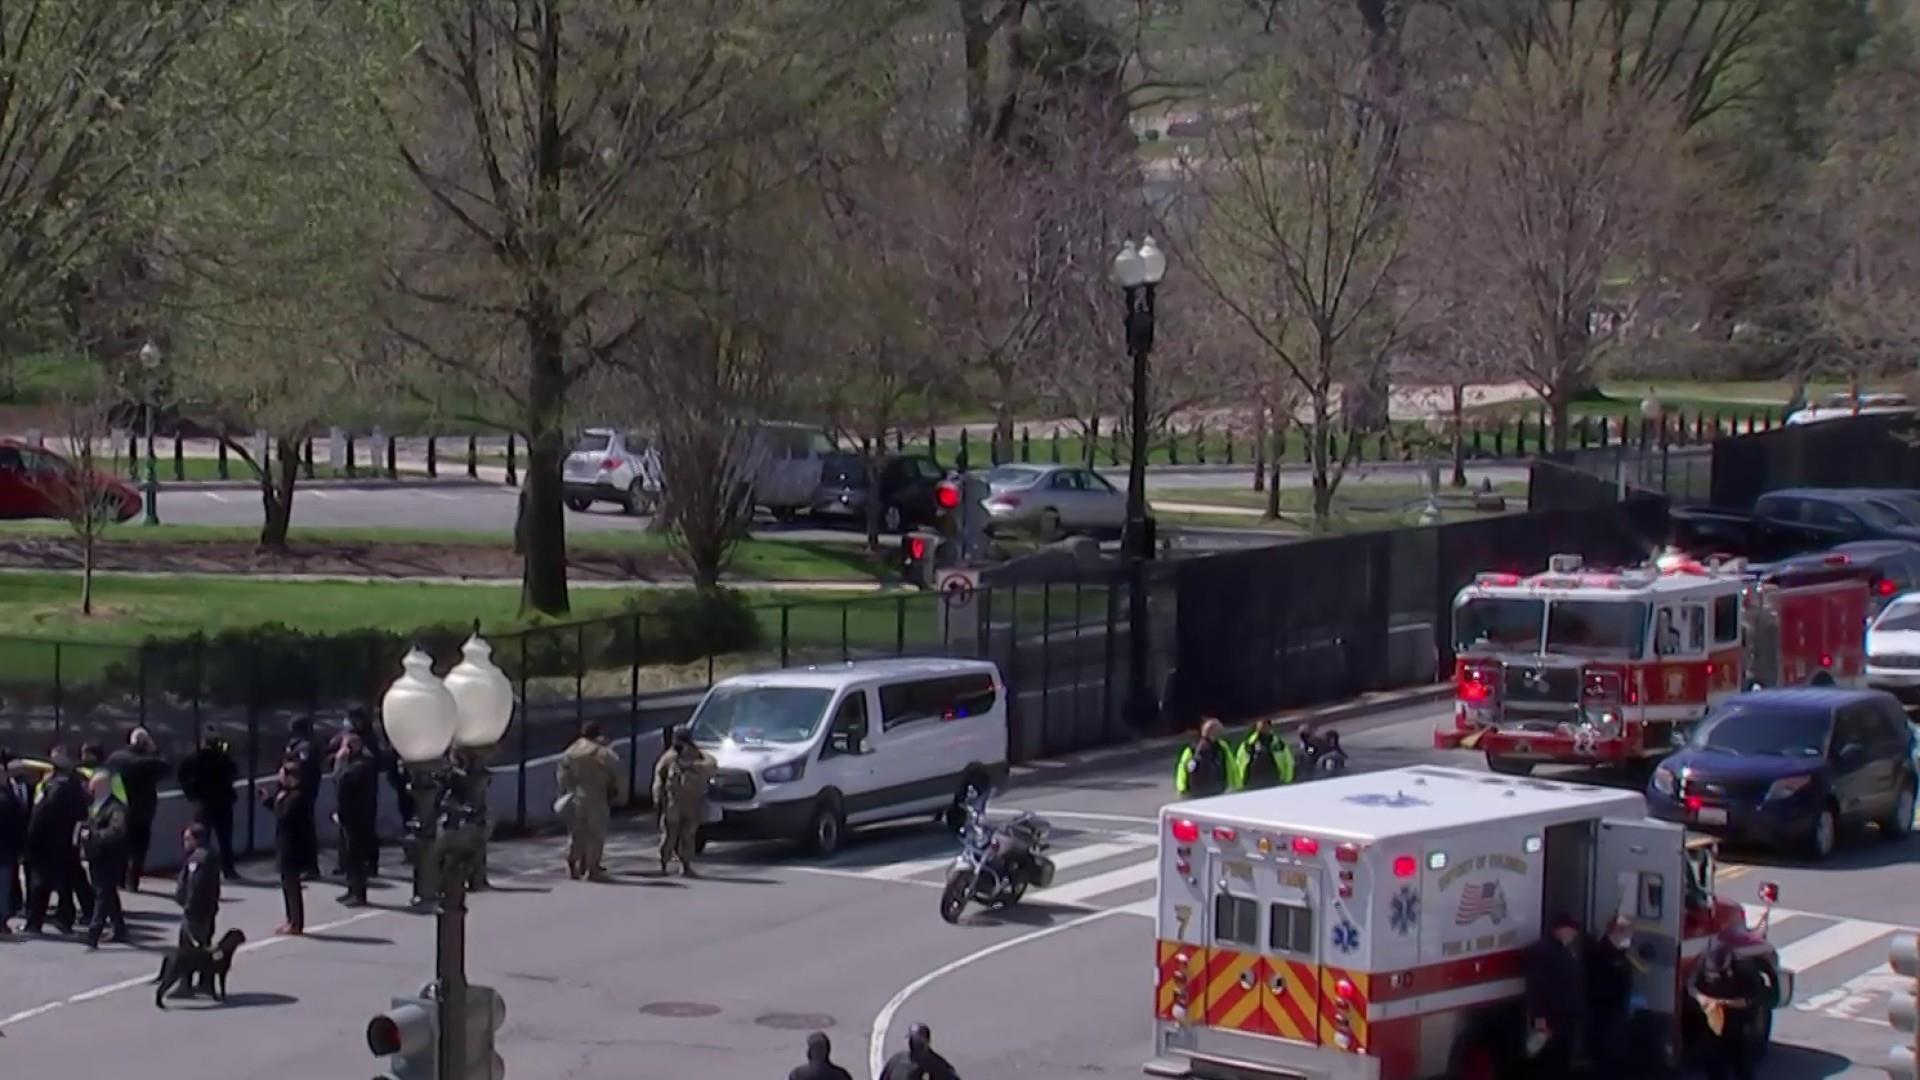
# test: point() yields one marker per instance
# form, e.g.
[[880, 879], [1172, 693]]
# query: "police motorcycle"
[[997, 863]]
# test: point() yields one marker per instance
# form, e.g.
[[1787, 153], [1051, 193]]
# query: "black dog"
[[196, 965]]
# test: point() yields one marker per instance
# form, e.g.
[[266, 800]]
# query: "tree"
[[1866, 220], [562, 147], [1548, 195], [83, 490], [1301, 235], [276, 249]]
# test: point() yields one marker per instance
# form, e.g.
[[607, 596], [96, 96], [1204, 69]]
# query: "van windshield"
[[760, 714]]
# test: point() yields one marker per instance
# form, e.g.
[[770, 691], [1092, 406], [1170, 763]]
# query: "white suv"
[[606, 465]]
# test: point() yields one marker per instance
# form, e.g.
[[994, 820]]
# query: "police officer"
[[16, 805], [680, 791], [207, 777], [356, 784], [198, 894], [140, 769], [918, 1061], [304, 752], [54, 871], [1206, 767], [105, 840], [1264, 759], [1728, 989], [819, 1064]]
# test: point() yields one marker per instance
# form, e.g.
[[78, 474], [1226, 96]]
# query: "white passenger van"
[[807, 752]]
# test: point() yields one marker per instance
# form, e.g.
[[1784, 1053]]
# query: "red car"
[[35, 483]]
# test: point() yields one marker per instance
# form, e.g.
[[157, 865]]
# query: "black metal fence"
[[1859, 451]]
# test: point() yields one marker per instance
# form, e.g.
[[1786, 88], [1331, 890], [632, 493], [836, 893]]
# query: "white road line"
[[1093, 853], [877, 1041], [1835, 940], [1780, 915], [900, 871], [1125, 819], [1077, 892]]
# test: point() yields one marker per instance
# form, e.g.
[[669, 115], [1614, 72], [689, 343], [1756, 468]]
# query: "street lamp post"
[[150, 366], [1138, 270], [426, 720]]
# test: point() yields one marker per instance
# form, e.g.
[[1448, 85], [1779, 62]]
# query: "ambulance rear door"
[[1291, 894], [1640, 872]]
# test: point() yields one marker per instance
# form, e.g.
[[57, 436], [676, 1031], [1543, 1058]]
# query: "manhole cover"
[[796, 1021], [679, 1010]]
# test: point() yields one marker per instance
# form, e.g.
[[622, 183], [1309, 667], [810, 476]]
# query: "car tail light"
[[916, 548], [1186, 831], [1008, 501], [1694, 803], [610, 463]]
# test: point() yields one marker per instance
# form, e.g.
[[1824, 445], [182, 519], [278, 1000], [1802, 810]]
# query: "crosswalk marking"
[[1824, 945], [1075, 892], [1093, 853], [901, 871]]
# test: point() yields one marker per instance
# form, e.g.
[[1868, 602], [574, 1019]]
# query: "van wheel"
[[1900, 823], [1049, 525], [783, 514], [638, 501], [827, 829], [972, 786], [1507, 766], [1824, 834], [892, 520], [700, 841], [578, 504]]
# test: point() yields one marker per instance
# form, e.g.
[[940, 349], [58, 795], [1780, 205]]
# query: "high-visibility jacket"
[[1204, 774], [1277, 749], [45, 769]]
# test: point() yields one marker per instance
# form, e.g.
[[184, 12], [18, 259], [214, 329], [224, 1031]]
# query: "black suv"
[[907, 483]]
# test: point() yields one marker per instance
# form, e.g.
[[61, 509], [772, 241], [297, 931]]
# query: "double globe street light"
[[1138, 270], [444, 730]]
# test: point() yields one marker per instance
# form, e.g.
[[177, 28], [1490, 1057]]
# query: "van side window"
[[849, 726], [952, 697], [1726, 620], [1652, 902], [1290, 929], [1236, 920]]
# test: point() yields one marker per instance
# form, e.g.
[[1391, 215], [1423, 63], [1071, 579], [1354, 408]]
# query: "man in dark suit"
[[207, 778], [105, 839], [16, 806], [356, 780], [54, 870], [198, 894], [140, 769]]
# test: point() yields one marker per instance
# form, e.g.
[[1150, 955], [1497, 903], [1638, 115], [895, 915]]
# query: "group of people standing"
[[591, 784], [1213, 765]]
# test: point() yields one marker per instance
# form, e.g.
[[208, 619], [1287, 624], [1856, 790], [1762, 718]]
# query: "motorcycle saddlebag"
[[1042, 871]]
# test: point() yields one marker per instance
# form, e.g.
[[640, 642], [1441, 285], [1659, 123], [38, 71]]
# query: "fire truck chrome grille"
[[1543, 684]]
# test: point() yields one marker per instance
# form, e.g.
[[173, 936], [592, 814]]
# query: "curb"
[[1162, 745], [332, 485]]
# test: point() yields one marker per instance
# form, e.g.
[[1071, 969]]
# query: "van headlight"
[[786, 772], [1663, 781]]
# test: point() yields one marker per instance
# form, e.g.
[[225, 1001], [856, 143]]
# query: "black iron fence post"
[[579, 673], [220, 450], [306, 464], [1046, 668], [253, 754], [393, 460], [846, 649], [900, 625], [513, 469], [633, 713], [179, 457], [783, 635], [58, 693], [1107, 726], [473, 457], [351, 467], [526, 724]]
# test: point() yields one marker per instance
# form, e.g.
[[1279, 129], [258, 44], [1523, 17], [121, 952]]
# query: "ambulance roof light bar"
[[1563, 564]]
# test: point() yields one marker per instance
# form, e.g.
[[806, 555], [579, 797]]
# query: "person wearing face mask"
[[1553, 1000], [1610, 971]]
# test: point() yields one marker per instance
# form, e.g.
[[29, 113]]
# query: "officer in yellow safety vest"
[[1263, 759], [1207, 766]]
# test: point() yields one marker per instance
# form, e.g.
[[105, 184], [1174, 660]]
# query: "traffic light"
[[1903, 1008], [486, 1013], [962, 519], [918, 553], [408, 1036]]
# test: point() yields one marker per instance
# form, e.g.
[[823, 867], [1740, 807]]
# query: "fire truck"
[[1375, 926], [1585, 666]]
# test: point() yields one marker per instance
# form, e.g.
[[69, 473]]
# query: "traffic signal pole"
[[1138, 541], [450, 972], [1903, 1007]]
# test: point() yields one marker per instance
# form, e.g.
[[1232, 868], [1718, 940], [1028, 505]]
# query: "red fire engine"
[[1577, 665]]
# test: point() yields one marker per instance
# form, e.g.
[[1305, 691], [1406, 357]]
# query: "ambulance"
[[1581, 666], [1375, 926]]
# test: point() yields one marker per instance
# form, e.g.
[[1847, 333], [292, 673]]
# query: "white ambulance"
[[1374, 926]]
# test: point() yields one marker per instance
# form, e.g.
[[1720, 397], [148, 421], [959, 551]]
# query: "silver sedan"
[[1052, 500]]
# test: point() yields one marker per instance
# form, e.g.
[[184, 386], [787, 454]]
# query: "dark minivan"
[[1791, 768]]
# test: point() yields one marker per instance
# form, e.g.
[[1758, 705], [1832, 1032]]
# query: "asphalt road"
[[487, 508], [722, 977]]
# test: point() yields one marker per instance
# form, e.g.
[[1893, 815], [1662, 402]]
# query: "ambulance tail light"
[[1224, 834], [1347, 853], [1404, 866], [1346, 991], [1306, 845], [1497, 579], [1186, 831]]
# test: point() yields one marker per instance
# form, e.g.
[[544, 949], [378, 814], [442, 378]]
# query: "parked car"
[[1893, 649], [1841, 406], [1792, 522], [786, 466], [1889, 567], [907, 483], [38, 483], [1051, 500], [610, 465], [1792, 768]]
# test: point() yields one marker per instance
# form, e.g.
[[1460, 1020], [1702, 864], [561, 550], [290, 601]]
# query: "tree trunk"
[[1276, 461], [873, 452], [1322, 471], [86, 570], [543, 574], [1091, 448], [1558, 404], [1259, 447], [1459, 435], [276, 493]]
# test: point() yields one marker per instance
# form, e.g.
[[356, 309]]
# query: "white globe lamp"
[[482, 696], [418, 712]]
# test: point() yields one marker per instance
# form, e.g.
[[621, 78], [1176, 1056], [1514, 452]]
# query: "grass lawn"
[[1349, 497], [1356, 507], [754, 559], [205, 468]]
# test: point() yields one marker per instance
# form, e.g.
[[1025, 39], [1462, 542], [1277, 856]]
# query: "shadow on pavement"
[[349, 939], [1801, 1063], [253, 999], [1037, 916]]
